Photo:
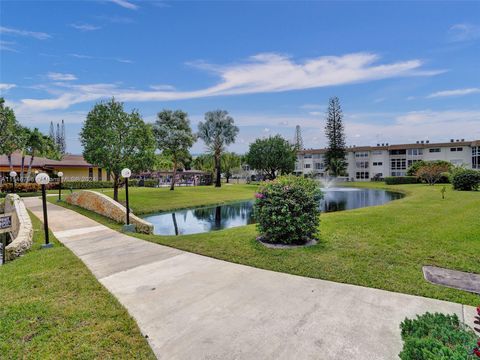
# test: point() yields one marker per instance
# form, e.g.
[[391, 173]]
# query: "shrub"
[[287, 210], [436, 336], [431, 172], [465, 179], [397, 180]]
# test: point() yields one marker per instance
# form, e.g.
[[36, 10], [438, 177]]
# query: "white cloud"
[[18, 32], [464, 32], [7, 46], [81, 56], [125, 4], [162, 87], [5, 87], [85, 27], [455, 92], [263, 73], [61, 76]]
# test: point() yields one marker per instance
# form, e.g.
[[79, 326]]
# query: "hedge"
[[397, 180]]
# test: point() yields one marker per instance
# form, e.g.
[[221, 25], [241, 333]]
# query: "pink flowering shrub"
[[287, 210]]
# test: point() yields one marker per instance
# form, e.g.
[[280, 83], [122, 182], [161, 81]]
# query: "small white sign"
[[42, 179], [5, 223], [126, 173]]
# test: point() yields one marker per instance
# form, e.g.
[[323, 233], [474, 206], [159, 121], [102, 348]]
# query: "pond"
[[205, 219]]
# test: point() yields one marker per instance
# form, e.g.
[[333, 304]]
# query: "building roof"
[[42, 162], [397, 146]]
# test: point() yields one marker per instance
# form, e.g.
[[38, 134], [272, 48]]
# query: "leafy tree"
[[334, 130], [272, 155], [9, 131], [412, 170], [114, 139], [204, 162], [162, 162], [431, 172], [174, 138], [217, 131], [230, 161]]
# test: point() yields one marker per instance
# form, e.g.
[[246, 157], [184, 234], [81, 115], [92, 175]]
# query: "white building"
[[366, 162]]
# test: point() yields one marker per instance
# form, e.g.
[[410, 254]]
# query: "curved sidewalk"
[[195, 307]]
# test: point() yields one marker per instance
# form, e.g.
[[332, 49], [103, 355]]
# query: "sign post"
[[43, 179], [5, 227]]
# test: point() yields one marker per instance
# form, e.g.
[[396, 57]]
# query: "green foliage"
[[217, 131], [334, 130], [465, 179], [271, 156], [204, 162], [174, 138], [412, 169], [113, 139], [432, 171], [287, 210], [230, 161], [9, 129], [397, 180], [436, 337]]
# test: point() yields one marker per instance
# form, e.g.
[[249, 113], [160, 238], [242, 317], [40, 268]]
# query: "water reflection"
[[205, 219]]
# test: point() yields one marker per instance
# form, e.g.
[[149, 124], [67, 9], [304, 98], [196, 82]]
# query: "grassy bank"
[[383, 247], [53, 307]]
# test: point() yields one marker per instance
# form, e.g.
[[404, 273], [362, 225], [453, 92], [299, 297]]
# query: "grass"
[[382, 247], [53, 307]]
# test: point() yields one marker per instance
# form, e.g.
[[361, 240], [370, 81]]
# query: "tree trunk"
[[218, 182], [22, 169], [10, 164], [115, 187], [29, 171], [228, 178], [172, 183]]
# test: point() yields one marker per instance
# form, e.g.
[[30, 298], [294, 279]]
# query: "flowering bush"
[[287, 210]]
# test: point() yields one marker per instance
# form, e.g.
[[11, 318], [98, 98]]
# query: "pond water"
[[205, 219]]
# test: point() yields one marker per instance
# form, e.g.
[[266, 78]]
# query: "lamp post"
[[60, 175], [13, 175], [43, 179], [126, 173]]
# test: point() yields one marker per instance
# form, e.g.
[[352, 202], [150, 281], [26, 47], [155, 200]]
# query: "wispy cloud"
[[85, 27], [18, 32], [61, 76], [162, 87], [464, 32], [261, 73], [7, 46], [117, 59], [455, 92], [5, 87], [125, 4], [80, 56]]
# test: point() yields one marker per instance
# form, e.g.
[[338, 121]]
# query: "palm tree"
[[217, 131], [35, 145]]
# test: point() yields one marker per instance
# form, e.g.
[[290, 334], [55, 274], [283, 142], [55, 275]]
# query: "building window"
[[398, 164], [90, 173], [434, 150], [411, 162], [378, 163], [307, 156], [361, 154], [362, 164], [307, 166], [476, 157], [398, 152], [377, 152], [415, 152], [99, 174], [398, 173], [319, 166], [362, 175], [456, 149]]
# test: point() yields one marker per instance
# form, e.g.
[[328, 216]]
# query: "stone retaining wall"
[[22, 228], [106, 206]]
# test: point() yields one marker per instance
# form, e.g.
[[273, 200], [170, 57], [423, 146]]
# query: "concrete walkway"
[[195, 307]]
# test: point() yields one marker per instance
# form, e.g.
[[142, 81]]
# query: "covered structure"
[[183, 178]]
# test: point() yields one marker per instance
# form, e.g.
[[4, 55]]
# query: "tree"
[[162, 162], [174, 138], [230, 161], [204, 162], [114, 139], [271, 156], [9, 131], [431, 172], [217, 131], [335, 155], [413, 169]]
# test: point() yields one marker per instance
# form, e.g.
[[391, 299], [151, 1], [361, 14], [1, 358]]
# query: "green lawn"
[[383, 247], [53, 307]]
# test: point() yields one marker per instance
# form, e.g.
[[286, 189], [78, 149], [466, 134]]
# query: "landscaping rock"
[[106, 206], [22, 229], [452, 278]]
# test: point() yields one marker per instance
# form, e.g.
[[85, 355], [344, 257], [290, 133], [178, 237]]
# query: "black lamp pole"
[[128, 207], [45, 216], [60, 189]]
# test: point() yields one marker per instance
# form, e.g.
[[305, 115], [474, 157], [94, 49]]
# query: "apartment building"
[[366, 162]]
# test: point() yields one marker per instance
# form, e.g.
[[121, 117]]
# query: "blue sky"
[[404, 71]]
